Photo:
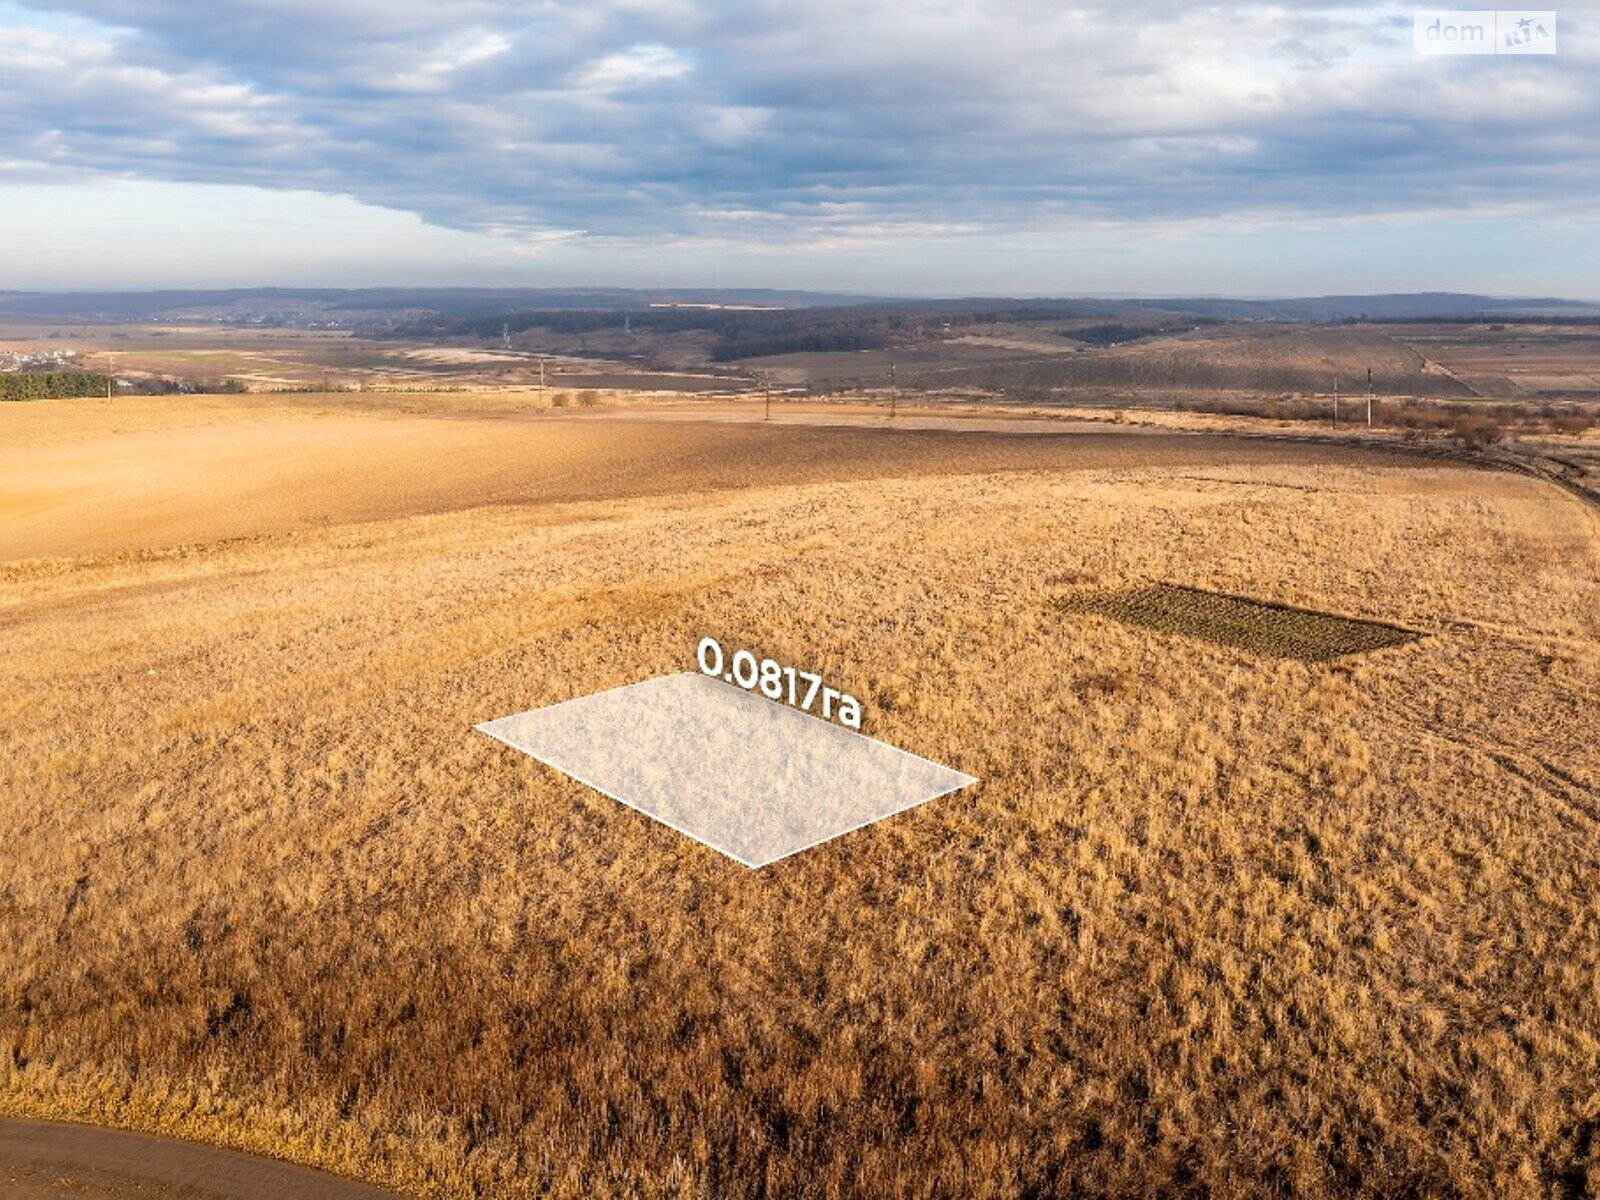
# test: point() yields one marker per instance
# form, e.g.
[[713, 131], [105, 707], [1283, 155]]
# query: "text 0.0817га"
[[801, 689]]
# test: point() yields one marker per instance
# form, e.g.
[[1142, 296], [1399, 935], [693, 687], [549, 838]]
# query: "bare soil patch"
[[1258, 626]]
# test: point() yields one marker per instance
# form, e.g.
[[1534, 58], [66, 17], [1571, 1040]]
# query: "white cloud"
[[635, 67], [468, 48], [734, 124], [843, 120]]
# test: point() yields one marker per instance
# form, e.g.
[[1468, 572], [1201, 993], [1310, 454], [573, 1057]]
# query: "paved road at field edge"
[[44, 1160]]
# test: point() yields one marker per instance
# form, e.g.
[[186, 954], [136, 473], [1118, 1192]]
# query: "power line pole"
[[1369, 397], [1336, 404], [111, 373], [894, 389], [766, 386], [541, 381]]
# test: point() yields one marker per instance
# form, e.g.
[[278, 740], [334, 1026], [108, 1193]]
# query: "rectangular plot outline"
[[964, 780]]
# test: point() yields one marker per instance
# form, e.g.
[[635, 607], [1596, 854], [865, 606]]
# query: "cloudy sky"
[[931, 146]]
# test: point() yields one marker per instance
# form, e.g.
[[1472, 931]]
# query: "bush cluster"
[[1474, 425], [51, 385]]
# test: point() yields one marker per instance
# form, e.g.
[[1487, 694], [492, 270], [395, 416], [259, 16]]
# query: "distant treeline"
[[51, 385], [744, 333], [737, 333]]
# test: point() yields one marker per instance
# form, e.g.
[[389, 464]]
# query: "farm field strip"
[[89, 477]]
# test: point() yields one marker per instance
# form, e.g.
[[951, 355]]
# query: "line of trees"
[[753, 333], [51, 385], [735, 333]]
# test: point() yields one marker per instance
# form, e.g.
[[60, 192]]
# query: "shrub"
[[51, 385], [1476, 431], [225, 387], [1574, 423]]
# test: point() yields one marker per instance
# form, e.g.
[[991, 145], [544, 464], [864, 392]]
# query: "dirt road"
[[41, 1160]]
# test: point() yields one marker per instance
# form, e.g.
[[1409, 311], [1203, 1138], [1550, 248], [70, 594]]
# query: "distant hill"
[[1400, 307], [358, 306], [1405, 306], [347, 305], [1255, 358]]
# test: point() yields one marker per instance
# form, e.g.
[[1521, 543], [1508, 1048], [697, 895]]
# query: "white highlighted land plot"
[[747, 776]]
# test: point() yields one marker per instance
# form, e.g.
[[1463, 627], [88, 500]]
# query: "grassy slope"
[[1210, 921], [82, 477], [1261, 359]]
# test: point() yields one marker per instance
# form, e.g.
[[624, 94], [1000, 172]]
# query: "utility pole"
[[111, 373], [541, 381], [505, 335], [766, 386], [1336, 404], [894, 390], [1369, 397]]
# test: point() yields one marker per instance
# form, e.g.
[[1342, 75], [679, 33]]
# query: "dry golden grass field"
[[1219, 920]]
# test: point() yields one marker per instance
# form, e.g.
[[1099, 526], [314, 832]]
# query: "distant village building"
[[37, 360]]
